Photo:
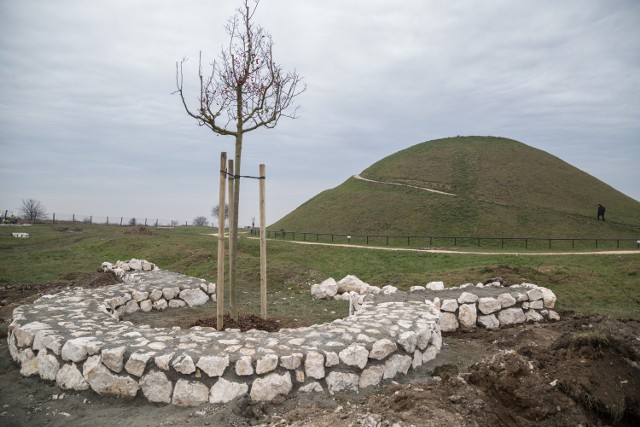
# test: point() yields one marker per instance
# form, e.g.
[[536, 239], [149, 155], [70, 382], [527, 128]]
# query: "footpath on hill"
[[458, 252]]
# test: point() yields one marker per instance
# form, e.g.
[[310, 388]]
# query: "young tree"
[[200, 221], [215, 211], [32, 210], [244, 90]]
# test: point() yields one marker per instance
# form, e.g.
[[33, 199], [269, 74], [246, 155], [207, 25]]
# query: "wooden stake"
[[233, 301], [220, 284], [263, 246]]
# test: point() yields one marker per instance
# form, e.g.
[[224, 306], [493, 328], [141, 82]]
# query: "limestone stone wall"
[[504, 307], [76, 338]]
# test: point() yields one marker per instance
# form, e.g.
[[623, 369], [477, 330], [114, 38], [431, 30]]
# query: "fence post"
[[54, 218], [145, 222], [91, 220], [120, 221], [73, 217], [107, 220], [220, 284], [263, 246]]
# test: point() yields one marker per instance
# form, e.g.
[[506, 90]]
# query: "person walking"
[[601, 210]]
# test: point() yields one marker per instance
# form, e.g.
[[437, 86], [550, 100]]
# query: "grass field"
[[59, 254]]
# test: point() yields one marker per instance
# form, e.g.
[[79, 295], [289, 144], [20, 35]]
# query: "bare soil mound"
[[141, 229]]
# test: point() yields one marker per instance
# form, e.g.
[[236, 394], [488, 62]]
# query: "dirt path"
[[431, 190], [446, 251]]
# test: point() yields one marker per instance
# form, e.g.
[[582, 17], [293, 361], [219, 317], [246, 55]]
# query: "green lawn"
[[594, 284]]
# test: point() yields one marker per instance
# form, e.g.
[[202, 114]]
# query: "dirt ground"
[[580, 371]]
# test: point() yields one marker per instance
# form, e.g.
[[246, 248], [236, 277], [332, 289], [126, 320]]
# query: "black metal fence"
[[114, 220], [534, 243]]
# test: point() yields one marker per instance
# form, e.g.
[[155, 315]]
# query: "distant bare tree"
[[200, 221], [215, 211], [245, 90], [32, 210]]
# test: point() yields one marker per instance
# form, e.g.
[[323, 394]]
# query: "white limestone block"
[[193, 297], [371, 376], [423, 338], [113, 358], [156, 387], [131, 307], [511, 316], [184, 364], [213, 366], [325, 290], [312, 387], [267, 388], [138, 362], [533, 316], [354, 355], [28, 362], [331, 359], [139, 296], [267, 363], [162, 362], [155, 295], [224, 391], [352, 284], [435, 286], [397, 364], [489, 321], [449, 305], [535, 294], [488, 305], [506, 300], [146, 305], [467, 298], [388, 290], [75, 349], [548, 297], [70, 377], [292, 361], [314, 365], [187, 393], [408, 341], [342, 381], [48, 365], [448, 322], [382, 348], [160, 304], [102, 381], [244, 366], [467, 315], [170, 292]]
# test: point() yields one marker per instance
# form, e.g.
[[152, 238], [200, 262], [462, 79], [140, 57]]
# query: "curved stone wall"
[[76, 339]]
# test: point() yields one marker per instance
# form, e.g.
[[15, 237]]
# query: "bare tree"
[[215, 211], [32, 210], [200, 221], [244, 90]]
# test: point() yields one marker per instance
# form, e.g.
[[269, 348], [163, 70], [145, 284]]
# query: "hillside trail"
[[431, 190], [456, 252]]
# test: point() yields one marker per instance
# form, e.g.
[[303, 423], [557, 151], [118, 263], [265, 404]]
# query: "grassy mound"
[[502, 187]]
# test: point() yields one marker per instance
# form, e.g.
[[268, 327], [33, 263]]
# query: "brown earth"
[[582, 370]]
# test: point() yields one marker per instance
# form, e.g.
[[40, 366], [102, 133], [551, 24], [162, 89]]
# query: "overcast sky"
[[89, 125]]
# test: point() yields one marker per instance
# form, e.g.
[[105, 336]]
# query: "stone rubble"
[[76, 338]]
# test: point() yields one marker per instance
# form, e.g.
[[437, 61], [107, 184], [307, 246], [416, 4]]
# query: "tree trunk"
[[233, 248]]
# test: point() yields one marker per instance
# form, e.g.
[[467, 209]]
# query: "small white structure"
[[20, 235]]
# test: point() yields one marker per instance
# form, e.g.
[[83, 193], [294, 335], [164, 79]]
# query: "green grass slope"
[[503, 188]]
